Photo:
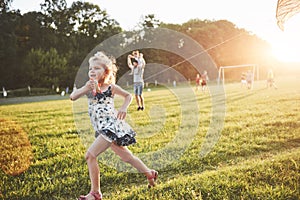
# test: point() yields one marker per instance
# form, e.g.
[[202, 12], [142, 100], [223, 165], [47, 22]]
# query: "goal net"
[[236, 71]]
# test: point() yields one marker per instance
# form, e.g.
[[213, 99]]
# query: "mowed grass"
[[256, 156]]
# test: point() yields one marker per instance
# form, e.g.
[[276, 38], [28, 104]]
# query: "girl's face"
[[96, 72]]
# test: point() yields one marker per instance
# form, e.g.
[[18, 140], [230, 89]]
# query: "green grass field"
[[256, 157]]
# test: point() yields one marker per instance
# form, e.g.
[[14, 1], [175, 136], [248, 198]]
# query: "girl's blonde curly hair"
[[109, 64]]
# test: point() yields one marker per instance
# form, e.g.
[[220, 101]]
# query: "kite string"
[[201, 52]]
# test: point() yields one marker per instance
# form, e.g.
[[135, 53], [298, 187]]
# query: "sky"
[[255, 16]]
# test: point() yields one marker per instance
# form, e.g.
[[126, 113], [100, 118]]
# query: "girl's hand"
[[121, 114], [90, 85]]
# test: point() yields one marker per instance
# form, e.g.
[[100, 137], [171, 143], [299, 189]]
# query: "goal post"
[[221, 75]]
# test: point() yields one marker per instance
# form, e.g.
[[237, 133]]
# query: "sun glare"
[[286, 47], [286, 52]]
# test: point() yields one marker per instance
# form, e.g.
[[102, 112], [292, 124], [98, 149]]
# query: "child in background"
[[249, 79], [110, 128], [204, 79], [243, 80], [270, 79]]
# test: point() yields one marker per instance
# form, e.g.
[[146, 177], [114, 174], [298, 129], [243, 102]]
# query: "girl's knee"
[[89, 156]]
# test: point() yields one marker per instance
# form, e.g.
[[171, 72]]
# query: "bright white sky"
[[256, 16]]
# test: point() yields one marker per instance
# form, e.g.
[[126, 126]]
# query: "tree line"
[[46, 48]]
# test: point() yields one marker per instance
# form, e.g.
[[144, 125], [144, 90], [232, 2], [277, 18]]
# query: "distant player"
[[243, 80], [204, 79], [249, 79], [137, 65], [270, 79]]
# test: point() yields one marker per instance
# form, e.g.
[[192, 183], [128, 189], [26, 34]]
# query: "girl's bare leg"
[[125, 154], [98, 146]]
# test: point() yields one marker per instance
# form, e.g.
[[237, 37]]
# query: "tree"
[[4, 5], [91, 26], [8, 48], [88, 19], [45, 68], [83, 26], [150, 21], [33, 34], [56, 13]]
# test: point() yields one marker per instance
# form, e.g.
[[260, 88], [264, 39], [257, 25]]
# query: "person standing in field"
[[111, 131], [270, 79], [137, 65], [204, 79], [243, 80], [249, 79]]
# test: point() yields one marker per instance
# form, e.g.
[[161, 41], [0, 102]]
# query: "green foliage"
[[8, 47], [257, 156], [71, 31], [150, 21], [45, 68], [32, 33], [56, 12]]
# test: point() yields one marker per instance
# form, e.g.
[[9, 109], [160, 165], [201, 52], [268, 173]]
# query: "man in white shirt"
[[137, 65]]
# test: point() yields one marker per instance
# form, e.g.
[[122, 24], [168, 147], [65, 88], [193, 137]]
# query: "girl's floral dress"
[[104, 119]]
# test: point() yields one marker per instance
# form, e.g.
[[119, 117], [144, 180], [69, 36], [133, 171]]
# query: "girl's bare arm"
[[82, 91], [127, 100]]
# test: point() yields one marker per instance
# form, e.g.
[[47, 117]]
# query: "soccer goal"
[[252, 67]]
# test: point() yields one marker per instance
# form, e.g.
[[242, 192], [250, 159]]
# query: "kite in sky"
[[285, 10]]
